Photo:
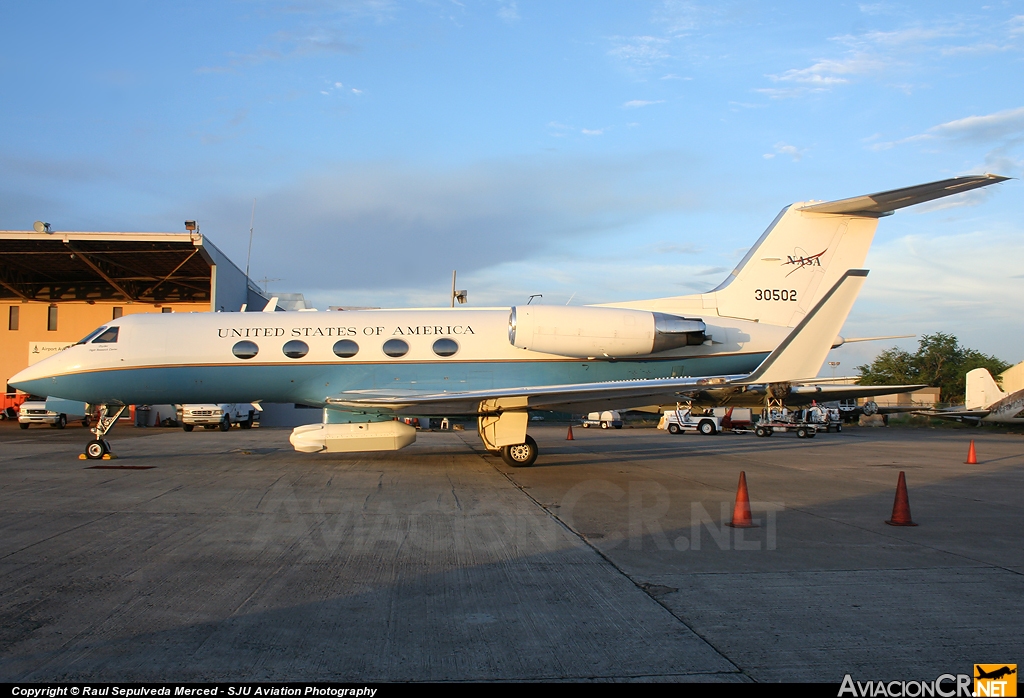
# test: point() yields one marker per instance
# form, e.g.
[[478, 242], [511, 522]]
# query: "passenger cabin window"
[[295, 349], [108, 337], [395, 348], [167, 310], [118, 312], [13, 317], [88, 338], [445, 347], [245, 349], [345, 348], [51, 319]]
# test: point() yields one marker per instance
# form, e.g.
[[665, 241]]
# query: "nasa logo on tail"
[[800, 259]]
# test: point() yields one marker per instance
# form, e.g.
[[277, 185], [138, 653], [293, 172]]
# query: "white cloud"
[[637, 103], [786, 149], [640, 51], [989, 127], [509, 13], [1002, 132], [592, 132], [822, 75]]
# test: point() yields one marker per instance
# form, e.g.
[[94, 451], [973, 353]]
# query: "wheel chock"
[[82, 456], [109, 456]]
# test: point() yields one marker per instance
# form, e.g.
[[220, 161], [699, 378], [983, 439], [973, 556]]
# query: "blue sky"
[[594, 150]]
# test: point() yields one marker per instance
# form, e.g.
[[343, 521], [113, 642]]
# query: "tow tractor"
[[681, 420]]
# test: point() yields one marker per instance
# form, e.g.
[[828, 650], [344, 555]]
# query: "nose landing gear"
[[99, 447]]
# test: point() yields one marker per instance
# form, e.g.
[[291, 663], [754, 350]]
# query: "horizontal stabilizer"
[[885, 202]]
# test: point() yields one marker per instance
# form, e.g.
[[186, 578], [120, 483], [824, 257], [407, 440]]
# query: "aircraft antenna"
[[252, 219], [266, 283]]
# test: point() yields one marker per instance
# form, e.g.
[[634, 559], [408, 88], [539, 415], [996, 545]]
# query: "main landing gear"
[[99, 447], [520, 455], [504, 432]]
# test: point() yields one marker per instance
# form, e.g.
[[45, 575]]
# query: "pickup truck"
[[214, 416], [34, 411]]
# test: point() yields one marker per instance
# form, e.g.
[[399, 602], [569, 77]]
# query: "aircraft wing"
[[828, 393], [955, 414], [801, 353], [568, 397]]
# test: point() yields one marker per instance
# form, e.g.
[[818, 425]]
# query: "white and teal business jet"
[[772, 321]]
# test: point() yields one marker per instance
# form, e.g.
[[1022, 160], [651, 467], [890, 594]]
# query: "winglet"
[[885, 202], [801, 354]]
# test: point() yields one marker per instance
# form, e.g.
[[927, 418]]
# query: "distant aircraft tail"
[[982, 390]]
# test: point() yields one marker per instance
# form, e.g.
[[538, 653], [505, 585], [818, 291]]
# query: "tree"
[[939, 361]]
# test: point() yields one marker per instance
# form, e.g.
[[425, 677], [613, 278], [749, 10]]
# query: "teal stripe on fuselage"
[[313, 383]]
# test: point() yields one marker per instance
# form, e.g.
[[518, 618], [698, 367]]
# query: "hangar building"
[[57, 287]]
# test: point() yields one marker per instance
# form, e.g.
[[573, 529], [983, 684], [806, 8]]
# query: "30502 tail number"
[[774, 294]]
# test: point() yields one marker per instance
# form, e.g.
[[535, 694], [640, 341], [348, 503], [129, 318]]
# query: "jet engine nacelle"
[[588, 332]]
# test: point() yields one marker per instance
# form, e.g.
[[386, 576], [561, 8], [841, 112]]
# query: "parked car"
[[222, 416], [609, 418], [34, 411]]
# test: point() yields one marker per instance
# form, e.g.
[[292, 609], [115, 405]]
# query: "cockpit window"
[[108, 337], [88, 337]]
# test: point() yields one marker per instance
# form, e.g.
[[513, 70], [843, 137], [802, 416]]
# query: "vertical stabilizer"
[[982, 390], [793, 265]]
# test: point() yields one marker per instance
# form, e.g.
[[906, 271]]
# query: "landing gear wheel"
[[707, 428], [520, 455], [188, 427], [674, 429], [226, 423], [96, 449]]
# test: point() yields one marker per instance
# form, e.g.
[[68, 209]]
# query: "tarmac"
[[228, 556]]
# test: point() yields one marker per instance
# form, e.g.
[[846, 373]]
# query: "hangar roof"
[[83, 266]]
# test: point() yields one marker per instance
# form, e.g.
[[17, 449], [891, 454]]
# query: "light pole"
[[834, 365]]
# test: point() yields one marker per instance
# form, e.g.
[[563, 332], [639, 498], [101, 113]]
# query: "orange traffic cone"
[[741, 511], [901, 507], [972, 457], [569, 436]]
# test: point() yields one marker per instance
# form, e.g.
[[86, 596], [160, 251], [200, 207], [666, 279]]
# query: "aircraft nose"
[[28, 380]]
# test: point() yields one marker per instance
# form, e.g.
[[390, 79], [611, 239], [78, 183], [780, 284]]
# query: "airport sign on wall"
[[37, 351]]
